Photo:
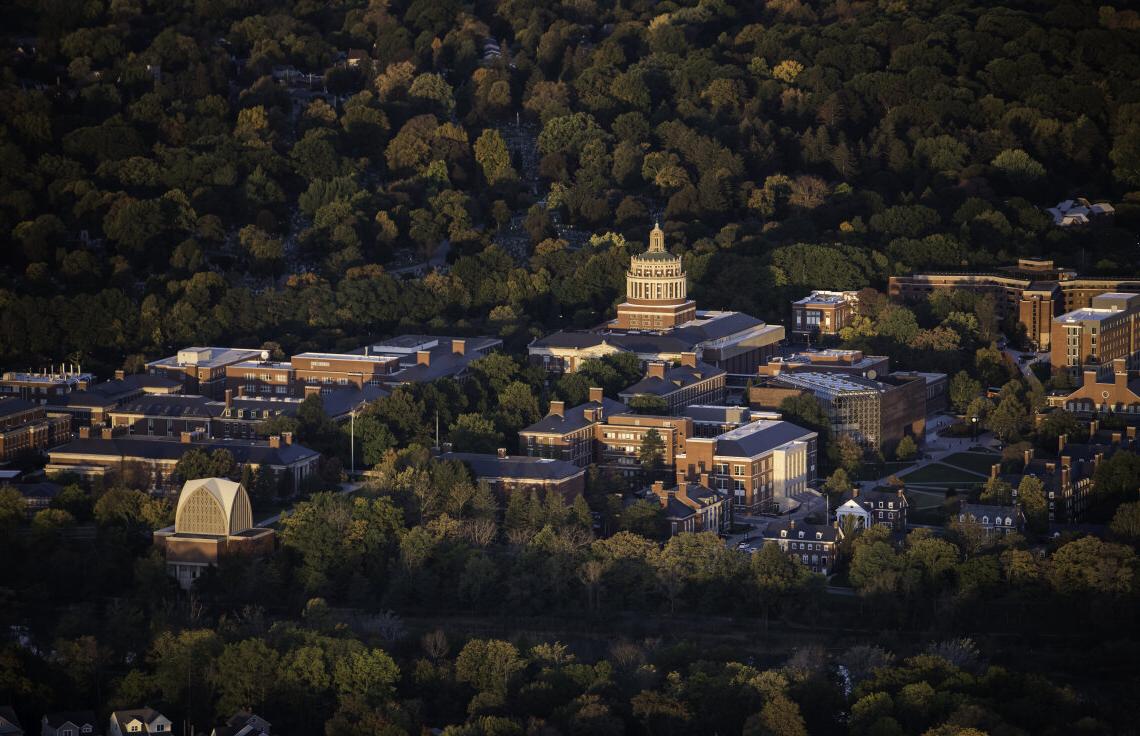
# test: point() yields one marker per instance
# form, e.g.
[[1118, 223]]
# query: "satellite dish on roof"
[[265, 356], [872, 374]]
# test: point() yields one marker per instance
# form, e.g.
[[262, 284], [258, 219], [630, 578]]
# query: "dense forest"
[[258, 171]]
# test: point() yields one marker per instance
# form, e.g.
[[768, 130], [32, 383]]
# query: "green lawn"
[[941, 475], [979, 462], [874, 471], [924, 499]]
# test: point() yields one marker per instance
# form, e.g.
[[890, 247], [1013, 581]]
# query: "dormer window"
[[801, 535], [819, 535], [87, 728], [985, 520], [783, 532]]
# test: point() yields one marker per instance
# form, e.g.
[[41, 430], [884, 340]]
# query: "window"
[[67, 732], [738, 470], [86, 729]]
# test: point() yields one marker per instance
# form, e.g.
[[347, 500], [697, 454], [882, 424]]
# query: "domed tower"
[[656, 292]]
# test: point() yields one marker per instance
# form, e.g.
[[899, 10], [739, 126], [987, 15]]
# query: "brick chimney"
[[792, 524], [994, 470], [1050, 467], [275, 441], [689, 360], [1116, 437], [286, 438], [120, 374], [1130, 432], [1066, 461], [240, 391], [855, 492], [84, 433], [459, 347], [655, 369], [229, 398], [1097, 460], [1064, 478], [423, 357], [1088, 378], [188, 437], [1028, 455], [1094, 427], [107, 433], [501, 452], [596, 394], [703, 479], [557, 409], [1120, 371], [1061, 440]]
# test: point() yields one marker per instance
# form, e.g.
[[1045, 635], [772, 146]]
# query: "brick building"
[[620, 439], [27, 427], [864, 509], [823, 313], [569, 434], [38, 387], [760, 465], [1117, 393], [711, 420], [831, 360], [689, 382], [508, 474], [994, 519], [874, 413], [691, 507], [94, 455], [655, 290], [812, 545], [202, 370], [1098, 334], [1034, 290]]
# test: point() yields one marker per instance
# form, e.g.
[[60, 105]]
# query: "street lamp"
[[974, 427]]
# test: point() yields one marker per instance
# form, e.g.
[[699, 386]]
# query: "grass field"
[[941, 475], [979, 462], [874, 471]]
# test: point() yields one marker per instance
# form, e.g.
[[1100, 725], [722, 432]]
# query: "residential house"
[[139, 721], [812, 545], [71, 723], [243, 724], [9, 723]]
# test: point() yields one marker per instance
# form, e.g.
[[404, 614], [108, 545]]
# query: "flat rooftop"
[[207, 357], [826, 298]]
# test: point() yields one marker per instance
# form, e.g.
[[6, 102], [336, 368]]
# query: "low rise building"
[[26, 427], [91, 406], [507, 474], [831, 360], [759, 465], [1117, 393], [72, 723], [422, 358], [213, 520], [811, 545], [864, 509], [823, 313], [937, 388], [1079, 211], [688, 382], [97, 455], [876, 414], [620, 440], [1096, 335], [569, 434], [243, 724], [39, 386], [202, 370], [37, 496], [691, 507], [711, 420], [994, 519], [139, 721]]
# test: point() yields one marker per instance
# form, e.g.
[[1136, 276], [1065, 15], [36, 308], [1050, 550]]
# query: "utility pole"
[[352, 441]]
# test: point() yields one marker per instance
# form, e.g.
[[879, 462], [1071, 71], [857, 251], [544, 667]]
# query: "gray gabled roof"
[[174, 406], [676, 378], [154, 448], [825, 532], [574, 418], [759, 437], [516, 467], [13, 405]]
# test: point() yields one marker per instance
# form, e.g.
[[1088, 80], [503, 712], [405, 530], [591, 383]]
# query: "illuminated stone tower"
[[656, 293]]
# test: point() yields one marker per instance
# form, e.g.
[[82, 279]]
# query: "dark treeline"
[[786, 146]]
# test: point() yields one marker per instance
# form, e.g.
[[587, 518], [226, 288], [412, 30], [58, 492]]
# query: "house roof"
[[9, 723], [574, 418], [871, 496], [799, 530], [515, 467], [76, 717], [155, 448], [39, 490], [676, 378], [146, 715], [174, 406], [699, 497], [979, 510], [13, 405], [759, 437]]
